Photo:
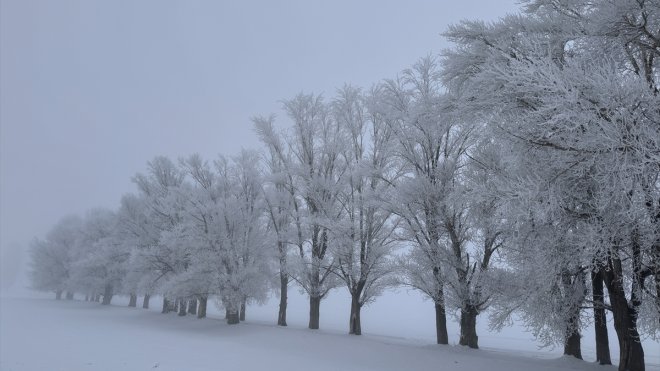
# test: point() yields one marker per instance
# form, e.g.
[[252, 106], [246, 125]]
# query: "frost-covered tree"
[[313, 164], [157, 260], [223, 227], [186, 240], [572, 87], [315, 144], [196, 233], [137, 233], [53, 256], [365, 231], [432, 147], [532, 182], [281, 202], [100, 258], [245, 259], [471, 290]]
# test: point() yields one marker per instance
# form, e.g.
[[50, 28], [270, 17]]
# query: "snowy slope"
[[44, 334]]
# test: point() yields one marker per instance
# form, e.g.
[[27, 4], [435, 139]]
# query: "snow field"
[[44, 334]]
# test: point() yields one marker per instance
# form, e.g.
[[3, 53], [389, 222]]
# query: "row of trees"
[[520, 174]]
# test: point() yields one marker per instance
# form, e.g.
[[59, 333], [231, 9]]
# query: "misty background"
[[92, 90]]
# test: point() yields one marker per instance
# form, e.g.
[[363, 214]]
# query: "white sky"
[[92, 90]]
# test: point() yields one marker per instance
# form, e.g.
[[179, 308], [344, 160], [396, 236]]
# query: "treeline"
[[519, 173]]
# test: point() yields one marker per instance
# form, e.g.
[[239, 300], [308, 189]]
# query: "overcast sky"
[[92, 90]]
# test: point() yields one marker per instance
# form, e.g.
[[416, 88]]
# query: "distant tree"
[[156, 260], [100, 258], [137, 233], [53, 256], [224, 227]]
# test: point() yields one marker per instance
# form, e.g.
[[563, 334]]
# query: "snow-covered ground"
[[39, 333]]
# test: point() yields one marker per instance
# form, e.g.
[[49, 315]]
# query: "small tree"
[[52, 257]]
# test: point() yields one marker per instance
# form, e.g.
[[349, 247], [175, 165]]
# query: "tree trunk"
[[182, 307], [656, 274], [354, 326], [441, 323], [132, 302], [69, 295], [314, 312], [58, 295], [98, 298], [232, 317], [87, 297], [192, 306], [631, 356], [166, 305], [145, 301], [284, 290], [242, 312], [600, 319], [469, 327], [201, 311], [107, 295], [572, 343], [284, 284], [574, 288]]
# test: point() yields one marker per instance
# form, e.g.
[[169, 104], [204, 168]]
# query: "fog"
[[90, 91]]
